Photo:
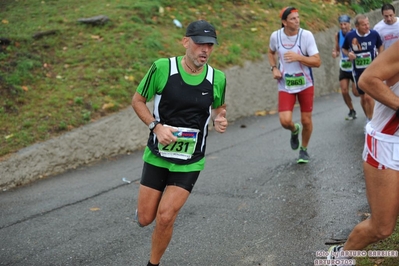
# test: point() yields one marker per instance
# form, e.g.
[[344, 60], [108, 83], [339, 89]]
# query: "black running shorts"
[[345, 75], [158, 178]]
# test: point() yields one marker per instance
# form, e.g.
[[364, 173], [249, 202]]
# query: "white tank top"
[[296, 77], [384, 118]]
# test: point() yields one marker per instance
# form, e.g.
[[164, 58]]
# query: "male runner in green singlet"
[[188, 95]]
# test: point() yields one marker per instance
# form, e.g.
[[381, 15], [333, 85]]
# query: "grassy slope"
[[62, 81], [59, 82]]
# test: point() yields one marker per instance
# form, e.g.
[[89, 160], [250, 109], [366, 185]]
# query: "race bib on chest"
[[346, 64], [294, 81], [363, 60], [184, 146]]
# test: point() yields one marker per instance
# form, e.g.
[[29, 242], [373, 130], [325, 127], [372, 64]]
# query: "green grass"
[[53, 84], [391, 243]]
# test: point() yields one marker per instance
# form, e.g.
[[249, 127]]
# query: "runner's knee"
[[166, 219], [143, 220], [143, 223], [383, 232], [306, 121], [285, 124], [344, 91]]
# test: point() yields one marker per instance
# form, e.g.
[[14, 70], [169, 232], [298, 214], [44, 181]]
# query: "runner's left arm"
[[380, 74], [218, 114]]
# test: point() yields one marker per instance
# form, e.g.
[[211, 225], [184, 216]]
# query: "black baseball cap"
[[201, 31]]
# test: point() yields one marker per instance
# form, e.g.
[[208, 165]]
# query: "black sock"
[[150, 264]]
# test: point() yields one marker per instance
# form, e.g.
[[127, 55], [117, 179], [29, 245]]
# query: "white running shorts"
[[381, 150]]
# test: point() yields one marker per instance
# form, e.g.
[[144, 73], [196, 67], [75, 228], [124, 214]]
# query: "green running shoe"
[[303, 156], [294, 141]]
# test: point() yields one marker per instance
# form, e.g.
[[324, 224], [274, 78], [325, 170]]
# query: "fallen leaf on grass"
[[4, 21], [9, 136], [96, 37], [25, 88], [129, 78], [107, 106]]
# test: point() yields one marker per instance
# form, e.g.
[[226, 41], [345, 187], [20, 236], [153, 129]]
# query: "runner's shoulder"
[[379, 25], [162, 62]]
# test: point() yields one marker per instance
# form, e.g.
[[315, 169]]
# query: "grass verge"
[[57, 74], [391, 243]]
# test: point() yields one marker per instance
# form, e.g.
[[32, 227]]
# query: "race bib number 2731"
[[184, 147]]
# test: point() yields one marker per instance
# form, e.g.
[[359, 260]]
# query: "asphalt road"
[[252, 205]]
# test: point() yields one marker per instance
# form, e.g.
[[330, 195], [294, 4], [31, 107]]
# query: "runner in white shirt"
[[292, 54], [381, 154], [388, 27]]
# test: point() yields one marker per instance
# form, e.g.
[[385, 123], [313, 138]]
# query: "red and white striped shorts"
[[381, 150]]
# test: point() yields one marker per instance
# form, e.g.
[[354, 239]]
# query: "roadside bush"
[[364, 6]]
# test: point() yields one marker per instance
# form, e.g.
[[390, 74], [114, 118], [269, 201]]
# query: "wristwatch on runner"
[[271, 68], [152, 125]]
